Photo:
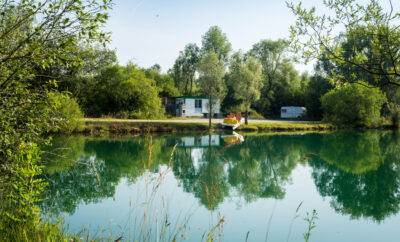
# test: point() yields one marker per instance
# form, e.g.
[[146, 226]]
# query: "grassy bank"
[[119, 126], [286, 126]]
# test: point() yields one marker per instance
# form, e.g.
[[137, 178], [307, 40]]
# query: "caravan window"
[[198, 103], [283, 110]]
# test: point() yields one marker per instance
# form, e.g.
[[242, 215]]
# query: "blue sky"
[[154, 31]]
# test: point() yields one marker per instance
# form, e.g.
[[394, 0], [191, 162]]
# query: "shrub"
[[353, 104], [68, 112]]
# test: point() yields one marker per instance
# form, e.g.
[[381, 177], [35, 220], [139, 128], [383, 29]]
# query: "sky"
[[147, 32]]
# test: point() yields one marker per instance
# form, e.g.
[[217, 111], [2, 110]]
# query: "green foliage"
[[79, 78], [38, 44], [281, 82], [246, 79], [214, 40], [20, 192], [310, 219], [394, 113], [125, 92], [354, 104], [184, 69], [368, 45], [211, 72], [67, 110], [164, 82], [314, 90]]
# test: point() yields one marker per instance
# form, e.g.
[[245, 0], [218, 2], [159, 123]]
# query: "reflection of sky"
[[252, 217]]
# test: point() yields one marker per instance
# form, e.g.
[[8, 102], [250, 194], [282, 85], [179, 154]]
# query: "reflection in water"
[[359, 171]]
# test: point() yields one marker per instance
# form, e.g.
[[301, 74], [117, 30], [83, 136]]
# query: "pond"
[[259, 187]]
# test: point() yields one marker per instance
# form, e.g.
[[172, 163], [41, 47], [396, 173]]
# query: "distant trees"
[[216, 41], [246, 80], [353, 104], [123, 91], [211, 83], [185, 67], [281, 82], [164, 82], [314, 90]]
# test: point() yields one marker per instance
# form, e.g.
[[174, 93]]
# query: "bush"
[[67, 110], [353, 104]]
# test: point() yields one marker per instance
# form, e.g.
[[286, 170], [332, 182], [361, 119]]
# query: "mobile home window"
[[283, 110], [197, 103]]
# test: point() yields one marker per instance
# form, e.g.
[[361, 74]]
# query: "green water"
[[263, 187]]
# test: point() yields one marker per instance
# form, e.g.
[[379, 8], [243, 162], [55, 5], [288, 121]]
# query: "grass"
[[288, 126], [126, 126]]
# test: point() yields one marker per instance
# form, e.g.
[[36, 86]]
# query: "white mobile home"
[[292, 112], [195, 107]]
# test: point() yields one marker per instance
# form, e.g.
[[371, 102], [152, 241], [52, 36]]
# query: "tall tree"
[[246, 77], [371, 34], [184, 69], [280, 79], [211, 73], [215, 40]]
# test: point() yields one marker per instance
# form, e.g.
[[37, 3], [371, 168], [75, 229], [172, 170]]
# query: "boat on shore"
[[232, 122]]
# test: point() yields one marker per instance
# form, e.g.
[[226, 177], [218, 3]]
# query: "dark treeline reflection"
[[359, 171]]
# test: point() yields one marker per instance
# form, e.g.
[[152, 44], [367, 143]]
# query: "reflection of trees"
[[354, 152], [260, 167], [201, 172], [63, 153], [99, 168], [367, 183], [358, 170]]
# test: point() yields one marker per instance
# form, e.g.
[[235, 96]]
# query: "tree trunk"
[[246, 115], [191, 86], [210, 113]]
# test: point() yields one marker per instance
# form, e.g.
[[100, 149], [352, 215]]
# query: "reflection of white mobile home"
[[200, 142], [292, 112]]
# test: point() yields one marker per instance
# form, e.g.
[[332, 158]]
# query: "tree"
[[164, 82], [216, 41], [184, 69], [74, 79], [246, 77], [35, 35], [371, 34], [280, 79], [211, 73], [353, 104], [123, 91], [314, 90]]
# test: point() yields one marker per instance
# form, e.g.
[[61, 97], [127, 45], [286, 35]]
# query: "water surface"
[[261, 187]]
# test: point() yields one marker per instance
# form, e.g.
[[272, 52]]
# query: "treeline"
[[260, 80]]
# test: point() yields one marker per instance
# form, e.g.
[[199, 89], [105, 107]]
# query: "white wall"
[[292, 112], [191, 111], [216, 108]]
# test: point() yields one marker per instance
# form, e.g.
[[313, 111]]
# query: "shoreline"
[[125, 126]]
